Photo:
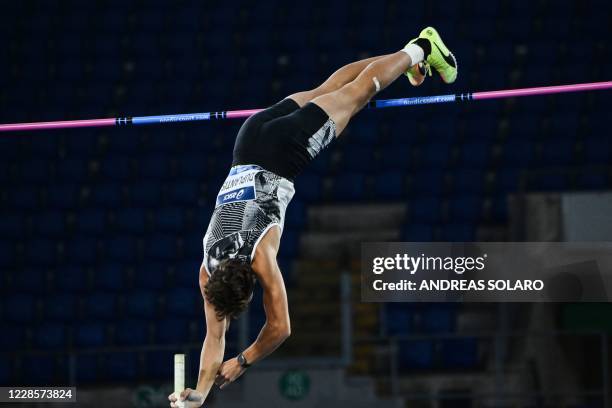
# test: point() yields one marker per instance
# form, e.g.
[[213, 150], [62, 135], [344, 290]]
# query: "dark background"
[[101, 229]]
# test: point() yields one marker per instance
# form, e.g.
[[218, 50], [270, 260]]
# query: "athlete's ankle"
[[425, 44]]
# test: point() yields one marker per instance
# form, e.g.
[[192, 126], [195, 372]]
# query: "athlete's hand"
[[191, 398], [229, 372]]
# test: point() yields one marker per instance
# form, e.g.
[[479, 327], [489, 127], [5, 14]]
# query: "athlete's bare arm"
[[277, 327], [211, 356]]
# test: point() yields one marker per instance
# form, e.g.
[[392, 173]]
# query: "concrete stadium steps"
[[330, 247], [325, 245], [364, 218]]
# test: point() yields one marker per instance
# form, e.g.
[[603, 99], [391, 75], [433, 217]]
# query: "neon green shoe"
[[440, 58], [416, 74]]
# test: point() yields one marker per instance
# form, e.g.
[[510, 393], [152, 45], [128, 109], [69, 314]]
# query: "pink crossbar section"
[[58, 125], [542, 90], [241, 113]]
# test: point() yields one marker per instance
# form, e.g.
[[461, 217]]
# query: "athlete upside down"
[[271, 149]]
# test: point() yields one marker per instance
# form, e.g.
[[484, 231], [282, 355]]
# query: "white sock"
[[415, 53]]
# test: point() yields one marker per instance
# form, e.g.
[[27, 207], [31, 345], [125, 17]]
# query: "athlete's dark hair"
[[230, 288]]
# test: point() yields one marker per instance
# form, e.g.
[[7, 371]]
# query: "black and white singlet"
[[251, 201], [271, 149]]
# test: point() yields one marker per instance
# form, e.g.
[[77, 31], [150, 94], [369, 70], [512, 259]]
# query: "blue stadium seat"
[[110, 277], [296, 215], [290, 243], [116, 168], [81, 145], [458, 232], [184, 302], [597, 150], [141, 304], [389, 185], [557, 153], [133, 332], [499, 209], [427, 181], [465, 208], [41, 369], [459, 353], [74, 170], [396, 157], [7, 254], [192, 166], [145, 194], [81, 251], [434, 155], [348, 186], [131, 220], [518, 153], [30, 281], [99, 306], [468, 181], [475, 155], [91, 222], [399, 319], [122, 249], [186, 273], [71, 279], [124, 145], [41, 252], [87, 368], [13, 338], [51, 336], [151, 276], [184, 192], [416, 355], [25, 198], [49, 224], [416, 232], [120, 366], [592, 180], [356, 158], [63, 196], [548, 182], [157, 364], [424, 209], [438, 318], [510, 179], [172, 331], [155, 167], [6, 371], [170, 219], [60, 308], [90, 335], [308, 187], [19, 308], [36, 172], [106, 195], [162, 247]]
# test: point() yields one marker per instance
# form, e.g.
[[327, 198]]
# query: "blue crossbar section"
[[417, 100], [186, 117]]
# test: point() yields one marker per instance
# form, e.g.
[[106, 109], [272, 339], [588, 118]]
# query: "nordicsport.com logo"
[[414, 264]]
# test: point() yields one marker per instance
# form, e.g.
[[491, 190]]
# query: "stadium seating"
[[100, 234]]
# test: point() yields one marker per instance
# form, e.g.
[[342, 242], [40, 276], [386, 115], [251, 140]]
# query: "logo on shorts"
[[241, 194]]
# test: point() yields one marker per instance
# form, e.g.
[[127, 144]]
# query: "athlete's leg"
[[336, 81], [346, 101]]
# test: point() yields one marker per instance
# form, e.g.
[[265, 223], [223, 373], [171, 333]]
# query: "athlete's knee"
[[361, 91]]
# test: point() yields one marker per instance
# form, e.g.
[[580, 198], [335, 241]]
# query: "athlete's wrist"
[[243, 360]]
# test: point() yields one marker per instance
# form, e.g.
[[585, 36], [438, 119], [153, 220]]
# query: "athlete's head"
[[230, 288]]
